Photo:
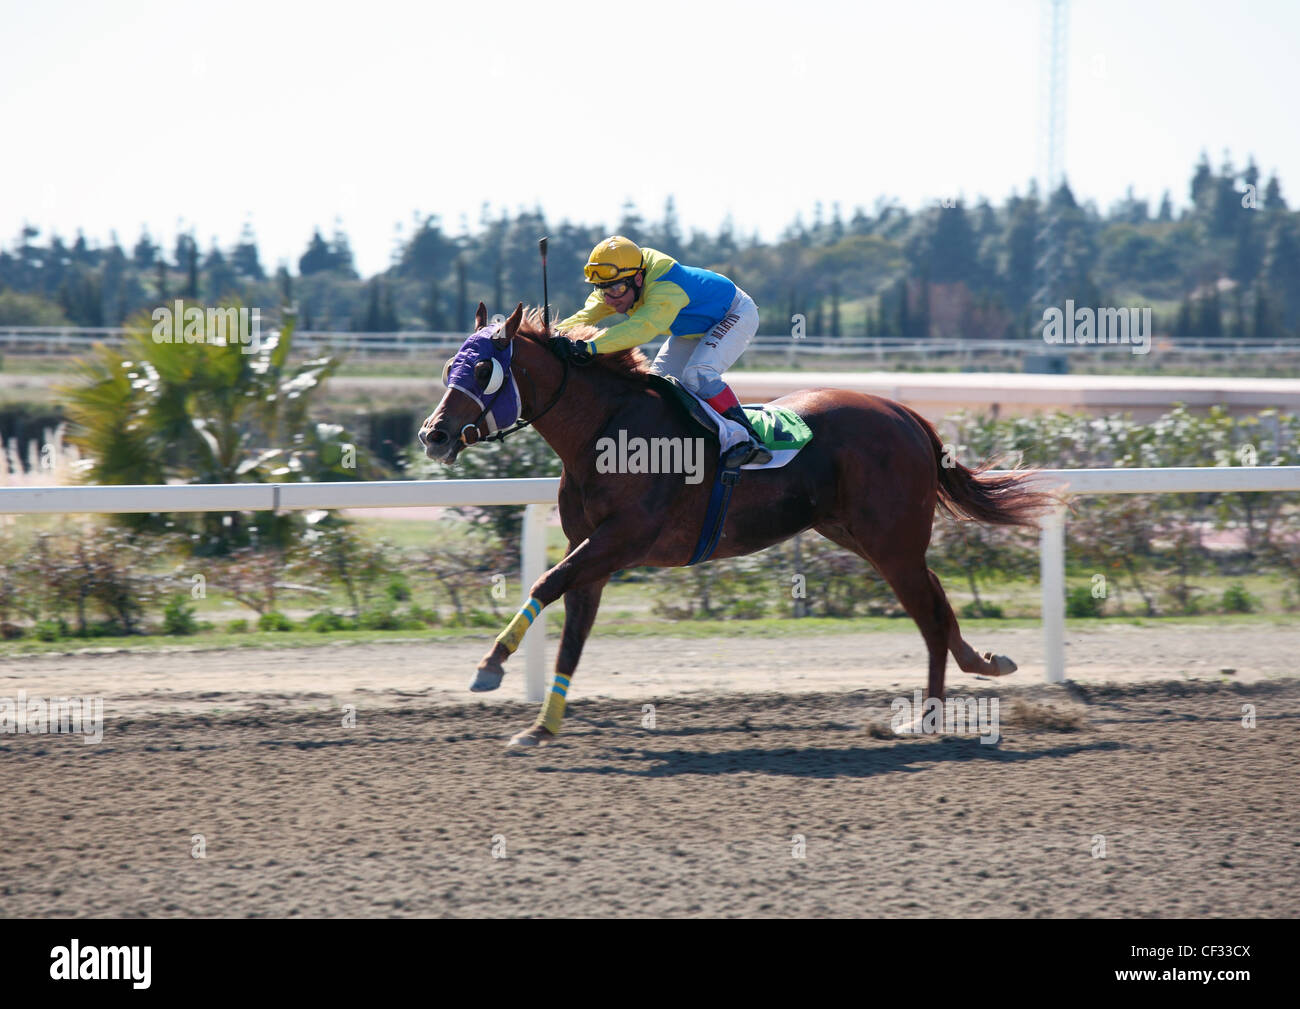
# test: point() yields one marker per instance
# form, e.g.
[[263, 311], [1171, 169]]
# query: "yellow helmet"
[[614, 258]]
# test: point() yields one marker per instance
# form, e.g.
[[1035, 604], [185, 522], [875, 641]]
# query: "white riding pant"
[[699, 363]]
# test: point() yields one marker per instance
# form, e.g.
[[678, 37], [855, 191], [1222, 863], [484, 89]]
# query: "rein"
[[521, 423]]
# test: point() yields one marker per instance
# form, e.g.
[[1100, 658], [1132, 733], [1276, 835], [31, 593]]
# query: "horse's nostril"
[[439, 437]]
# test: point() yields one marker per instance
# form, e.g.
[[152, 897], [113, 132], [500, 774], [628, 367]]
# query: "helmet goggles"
[[605, 274]]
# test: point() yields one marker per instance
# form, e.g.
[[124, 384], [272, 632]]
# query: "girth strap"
[[716, 515]]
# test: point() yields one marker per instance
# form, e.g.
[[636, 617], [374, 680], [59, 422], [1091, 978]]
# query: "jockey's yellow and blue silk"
[[681, 300]]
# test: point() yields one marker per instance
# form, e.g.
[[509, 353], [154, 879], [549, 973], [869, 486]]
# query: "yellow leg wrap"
[[553, 707], [518, 626]]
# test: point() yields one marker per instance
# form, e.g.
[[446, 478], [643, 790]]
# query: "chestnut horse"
[[869, 481]]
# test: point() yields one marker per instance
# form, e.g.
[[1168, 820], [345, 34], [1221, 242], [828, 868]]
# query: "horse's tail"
[[969, 494]]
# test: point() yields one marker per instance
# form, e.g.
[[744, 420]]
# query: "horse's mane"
[[631, 363]]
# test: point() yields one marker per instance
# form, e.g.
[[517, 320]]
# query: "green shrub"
[[237, 626], [326, 621], [178, 618], [747, 609], [379, 619], [50, 630], [424, 617], [1237, 600], [274, 621], [1080, 602], [398, 589], [104, 629], [974, 611]]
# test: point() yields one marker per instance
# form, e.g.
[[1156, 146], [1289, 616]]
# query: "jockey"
[[708, 319]]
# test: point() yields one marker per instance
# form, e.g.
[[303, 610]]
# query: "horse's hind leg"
[[935, 601], [923, 598], [971, 661], [916, 588], [580, 606]]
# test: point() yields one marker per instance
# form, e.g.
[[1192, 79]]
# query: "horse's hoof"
[[913, 727], [487, 677], [1002, 666], [536, 736]]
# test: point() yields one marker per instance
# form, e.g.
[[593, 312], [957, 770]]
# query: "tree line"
[[1227, 264]]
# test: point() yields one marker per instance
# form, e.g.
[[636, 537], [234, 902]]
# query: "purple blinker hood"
[[502, 404]]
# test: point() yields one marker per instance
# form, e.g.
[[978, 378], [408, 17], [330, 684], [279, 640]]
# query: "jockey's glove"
[[578, 352]]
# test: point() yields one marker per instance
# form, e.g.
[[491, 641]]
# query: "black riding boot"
[[744, 453]]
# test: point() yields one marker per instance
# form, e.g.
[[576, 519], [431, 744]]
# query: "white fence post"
[[1052, 567], [532, 566]]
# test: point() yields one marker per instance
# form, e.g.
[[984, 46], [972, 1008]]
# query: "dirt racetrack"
[[418, 810]]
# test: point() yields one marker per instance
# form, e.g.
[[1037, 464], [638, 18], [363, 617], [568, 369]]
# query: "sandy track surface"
[[404, 813], [401, 815], [418, 674]]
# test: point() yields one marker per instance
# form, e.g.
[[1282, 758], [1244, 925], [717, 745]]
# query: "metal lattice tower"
[[1054, 56]]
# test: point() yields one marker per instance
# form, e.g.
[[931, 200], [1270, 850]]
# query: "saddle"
[[782, 430]]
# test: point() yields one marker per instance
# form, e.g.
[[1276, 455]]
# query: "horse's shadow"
[[817, 762]]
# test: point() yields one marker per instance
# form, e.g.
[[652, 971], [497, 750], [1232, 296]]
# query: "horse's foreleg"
[[593, 560], [580, 607]]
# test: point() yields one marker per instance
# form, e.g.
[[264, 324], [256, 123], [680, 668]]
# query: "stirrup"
[[743, 453]]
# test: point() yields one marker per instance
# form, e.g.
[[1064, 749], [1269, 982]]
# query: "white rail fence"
[[66, 340], [538, 495]]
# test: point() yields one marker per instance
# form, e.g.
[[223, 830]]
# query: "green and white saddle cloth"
[[783, 431]]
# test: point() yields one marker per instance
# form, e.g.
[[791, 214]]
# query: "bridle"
[[520, 423]]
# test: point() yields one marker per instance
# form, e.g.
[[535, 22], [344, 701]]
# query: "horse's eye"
[[483, 373]]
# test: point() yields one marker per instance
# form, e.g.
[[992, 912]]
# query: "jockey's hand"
[[579, 352]]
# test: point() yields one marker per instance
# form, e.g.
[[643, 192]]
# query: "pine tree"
[[317, 258], [144, 252], [462, 297], [670, 234], [903, 327], [433, 307], [1273, 195], [1281, 271], [1023, 228], [192, 268], [1202, 187], [951, 248], [244, 260], [1211, 314], [921, 321], [1262, 324]]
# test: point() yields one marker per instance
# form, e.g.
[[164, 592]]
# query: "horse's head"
[[481, 396]]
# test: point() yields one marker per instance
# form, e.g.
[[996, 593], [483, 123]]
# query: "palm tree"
[[174, 412]]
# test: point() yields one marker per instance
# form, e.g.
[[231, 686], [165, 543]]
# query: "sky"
[[287, 116]]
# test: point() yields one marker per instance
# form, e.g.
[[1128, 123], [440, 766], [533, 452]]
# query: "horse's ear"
[[511, 327], [516, 317], [480, 317]]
